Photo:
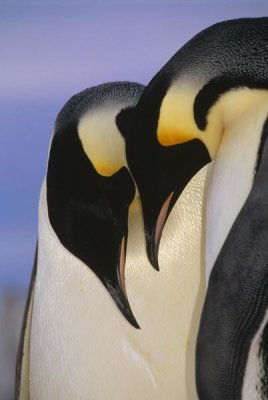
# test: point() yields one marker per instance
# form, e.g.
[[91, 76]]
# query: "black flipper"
[[22, 364]]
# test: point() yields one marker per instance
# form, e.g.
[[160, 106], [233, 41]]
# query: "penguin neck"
[[231, 177]]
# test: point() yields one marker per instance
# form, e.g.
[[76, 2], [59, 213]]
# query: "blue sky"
[[51, 50]]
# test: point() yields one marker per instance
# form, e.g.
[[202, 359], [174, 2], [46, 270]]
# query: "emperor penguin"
[[92, 286], [83, 223], [210, 102]]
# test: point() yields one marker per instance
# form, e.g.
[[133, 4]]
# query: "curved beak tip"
[[153, 255], [127, 312], [121, 301], [132, 320]]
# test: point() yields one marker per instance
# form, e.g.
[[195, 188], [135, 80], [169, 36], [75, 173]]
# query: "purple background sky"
[[51, 50]]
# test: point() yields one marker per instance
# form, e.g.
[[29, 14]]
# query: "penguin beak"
[[161, 220], [118, 192], [154, 226], [115, 284]]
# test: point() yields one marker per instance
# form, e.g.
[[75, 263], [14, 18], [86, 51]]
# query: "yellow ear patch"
[[106, 169], [101, 140], [176, 121], [169, 137]]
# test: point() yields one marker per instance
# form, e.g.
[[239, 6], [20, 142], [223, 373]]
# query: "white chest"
[[82, 347]]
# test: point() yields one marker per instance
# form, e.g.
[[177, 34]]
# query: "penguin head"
[[89, 188], [160, 172], [178, 123]]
